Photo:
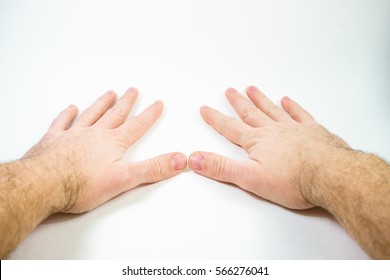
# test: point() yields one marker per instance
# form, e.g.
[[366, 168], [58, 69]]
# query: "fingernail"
[[286, 98], [179, 161], [230, 90], [196, 161], [158, 102], [110, 92], [251, 89], [204, 107]]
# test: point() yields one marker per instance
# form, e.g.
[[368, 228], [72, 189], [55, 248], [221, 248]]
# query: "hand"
[[86, 156], [285, 147]]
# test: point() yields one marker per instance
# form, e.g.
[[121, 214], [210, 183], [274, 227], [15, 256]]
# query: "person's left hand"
[[285, 146], [84, 156]]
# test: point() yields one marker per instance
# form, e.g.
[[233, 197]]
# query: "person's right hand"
[[83, 157], [285, 148]]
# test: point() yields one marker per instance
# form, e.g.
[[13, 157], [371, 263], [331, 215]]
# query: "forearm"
[[28, 195], [355, 188]]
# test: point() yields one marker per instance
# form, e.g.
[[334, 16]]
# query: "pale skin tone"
[[78, 165], [297, 163], [293, 161]]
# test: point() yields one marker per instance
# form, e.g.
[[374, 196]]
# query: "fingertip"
[[75, 109], [203, 112], [159, 102], [203, 109], [110, 93], [284, 101], [160, 105], [251, 89], [157, 106], [110, 96], [72, 107], [132, 89], [131, 93], [196, 161], [296, 111], [64, 118], [229, 91], [179, 161]]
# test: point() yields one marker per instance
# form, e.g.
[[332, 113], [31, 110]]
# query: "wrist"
[[317, 177], [327, 181], [46, 185], [29, 193]]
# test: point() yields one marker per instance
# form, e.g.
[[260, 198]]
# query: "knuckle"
[[251, 178], [122, 113], [119, 113], [224, 124], [89, 114], [273, 110], [120, 137], [140, 122], [250, 184], [247, 140], [157, 169], [250, 115], [296, 115], [218, 167], [126, 178]]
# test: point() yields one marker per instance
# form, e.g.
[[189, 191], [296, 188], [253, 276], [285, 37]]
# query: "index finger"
[[136, 127], [233, 130]]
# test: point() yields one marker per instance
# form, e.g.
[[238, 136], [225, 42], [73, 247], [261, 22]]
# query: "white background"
[[331, 56]]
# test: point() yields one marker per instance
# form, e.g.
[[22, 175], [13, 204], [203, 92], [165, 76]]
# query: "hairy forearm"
[[28, 195], [354, 187]]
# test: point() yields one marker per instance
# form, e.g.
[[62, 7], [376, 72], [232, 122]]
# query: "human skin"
[[78, 165], [297, 163]]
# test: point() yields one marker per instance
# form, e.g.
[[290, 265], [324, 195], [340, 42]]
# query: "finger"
[[220, 168], [267, 106], [117, 115], [234, 130], [136, 127], [249, 113], [295, 110], [158, 168], [64, 119], [96, 110]]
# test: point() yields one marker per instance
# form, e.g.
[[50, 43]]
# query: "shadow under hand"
[[312, 212], [68, 236]]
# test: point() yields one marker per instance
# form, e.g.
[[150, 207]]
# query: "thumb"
[[219, 168], [159, 168]]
